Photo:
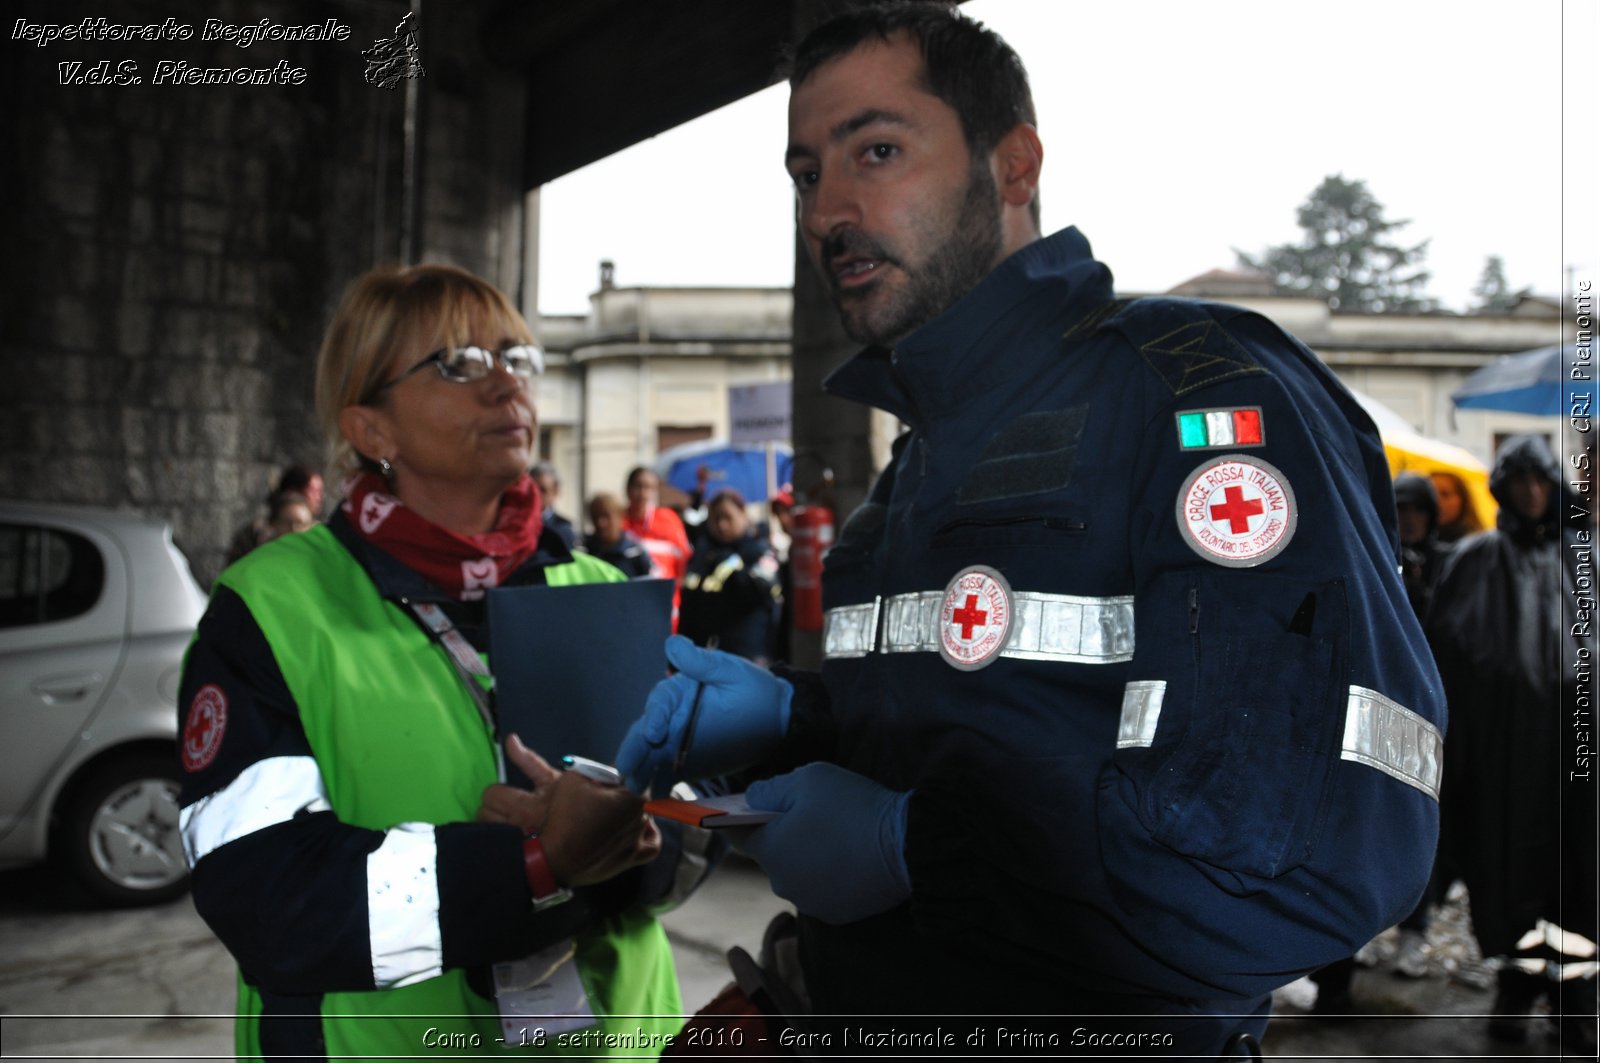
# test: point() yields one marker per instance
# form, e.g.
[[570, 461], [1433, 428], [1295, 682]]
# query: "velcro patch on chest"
[[1034, 453], [1237, 511]]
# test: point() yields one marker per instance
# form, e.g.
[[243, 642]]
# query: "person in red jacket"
[[659, 529]]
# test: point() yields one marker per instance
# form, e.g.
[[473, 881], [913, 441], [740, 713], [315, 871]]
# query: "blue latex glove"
[[838, 849], [744, 713]]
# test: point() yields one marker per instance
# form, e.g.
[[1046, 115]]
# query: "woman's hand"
[[591, 832], [525, 809], [594, 832]]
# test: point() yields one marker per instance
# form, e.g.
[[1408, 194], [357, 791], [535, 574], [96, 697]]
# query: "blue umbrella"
[[743, 468], [1538, 382]]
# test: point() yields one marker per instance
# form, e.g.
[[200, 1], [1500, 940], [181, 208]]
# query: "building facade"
[[649, 367]]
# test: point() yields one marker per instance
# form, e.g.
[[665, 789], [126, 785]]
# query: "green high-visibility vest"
[[398, 739]]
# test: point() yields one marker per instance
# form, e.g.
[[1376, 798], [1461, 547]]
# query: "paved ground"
[[77, 983], [154, 984]]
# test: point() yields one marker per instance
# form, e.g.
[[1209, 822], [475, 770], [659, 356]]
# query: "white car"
[[96, 610]]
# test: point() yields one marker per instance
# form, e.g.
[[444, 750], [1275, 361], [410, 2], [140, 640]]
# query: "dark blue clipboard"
[[573, 665]]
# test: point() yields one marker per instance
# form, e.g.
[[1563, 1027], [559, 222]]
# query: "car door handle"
[[57, 690]]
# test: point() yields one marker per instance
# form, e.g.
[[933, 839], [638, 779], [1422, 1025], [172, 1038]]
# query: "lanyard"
[[469, 666]]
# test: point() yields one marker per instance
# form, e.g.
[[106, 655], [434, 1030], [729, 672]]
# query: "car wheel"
[[119, 835]]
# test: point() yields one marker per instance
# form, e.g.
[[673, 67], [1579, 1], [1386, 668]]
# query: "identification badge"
[[1237, 511], [542, 991], [975, 618]]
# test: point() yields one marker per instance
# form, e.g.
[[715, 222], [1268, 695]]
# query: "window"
[[675, 435], [1501, 437], [46, 574]]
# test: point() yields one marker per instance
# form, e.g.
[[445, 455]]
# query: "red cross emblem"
[[204, 727], [970, 616], [974, 618], [1237, 511]]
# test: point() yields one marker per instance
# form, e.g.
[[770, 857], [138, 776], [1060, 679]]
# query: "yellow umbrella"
[[1410, 451]]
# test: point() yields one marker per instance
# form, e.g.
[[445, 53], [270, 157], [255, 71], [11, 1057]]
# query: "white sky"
[[1175, 131]]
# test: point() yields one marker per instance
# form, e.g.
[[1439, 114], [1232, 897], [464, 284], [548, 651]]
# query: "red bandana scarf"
[[464, 565]]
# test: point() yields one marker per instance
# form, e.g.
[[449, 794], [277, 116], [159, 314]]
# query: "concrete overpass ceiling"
[[605, 74]]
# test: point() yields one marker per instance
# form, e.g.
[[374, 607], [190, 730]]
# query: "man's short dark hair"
[[964, 64]]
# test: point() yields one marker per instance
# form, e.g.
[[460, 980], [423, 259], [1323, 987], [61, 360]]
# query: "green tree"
[[1493, 291], [1348, 255]]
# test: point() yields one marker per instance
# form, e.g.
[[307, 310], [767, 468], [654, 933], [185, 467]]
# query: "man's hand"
[[837, 848], [526, 809], [743, 715]]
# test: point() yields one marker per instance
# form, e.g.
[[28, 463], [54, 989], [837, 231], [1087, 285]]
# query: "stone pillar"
[[177, 247], [473, 122]]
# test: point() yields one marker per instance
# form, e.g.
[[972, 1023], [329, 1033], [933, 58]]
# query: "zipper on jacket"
[[1053, 523]]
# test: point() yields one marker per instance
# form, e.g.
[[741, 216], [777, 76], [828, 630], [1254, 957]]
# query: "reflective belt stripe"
[[850, 630], [910, 623], [1141, 711], [265, 794], [1049, 627], [403, 907], [1065, 627], [1384, 734]]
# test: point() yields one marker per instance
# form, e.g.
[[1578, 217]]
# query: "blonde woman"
[[351, 840]]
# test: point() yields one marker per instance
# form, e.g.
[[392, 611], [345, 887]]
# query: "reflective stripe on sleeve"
[[403, 907], [267, 793], [1383, 734], [1141, 711], [1049, 627]]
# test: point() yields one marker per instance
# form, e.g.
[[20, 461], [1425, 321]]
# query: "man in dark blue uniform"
[[1123, 710]]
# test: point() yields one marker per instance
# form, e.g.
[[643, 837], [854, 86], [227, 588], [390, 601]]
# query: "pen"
[[604, 774], [688, 731]]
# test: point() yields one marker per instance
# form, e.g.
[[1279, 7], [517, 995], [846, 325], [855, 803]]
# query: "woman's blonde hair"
[[392, 309]]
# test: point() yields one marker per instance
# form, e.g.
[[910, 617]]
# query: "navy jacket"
[[731, 592], [1124, 612]]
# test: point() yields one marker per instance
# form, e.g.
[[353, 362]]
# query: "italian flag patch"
[[1231, 426]]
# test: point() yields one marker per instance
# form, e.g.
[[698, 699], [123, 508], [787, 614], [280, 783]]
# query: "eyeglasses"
[[463, 365]]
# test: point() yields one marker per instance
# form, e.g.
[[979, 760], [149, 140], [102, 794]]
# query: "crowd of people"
[[728, 577], [1497, 607], [1130, 701]]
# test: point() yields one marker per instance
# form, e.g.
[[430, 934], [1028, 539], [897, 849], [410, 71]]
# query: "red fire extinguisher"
[[813, 534]]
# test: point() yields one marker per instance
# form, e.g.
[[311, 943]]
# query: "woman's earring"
[[386, 468]]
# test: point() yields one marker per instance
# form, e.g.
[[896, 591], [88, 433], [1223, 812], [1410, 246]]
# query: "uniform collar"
[[1037, 291]]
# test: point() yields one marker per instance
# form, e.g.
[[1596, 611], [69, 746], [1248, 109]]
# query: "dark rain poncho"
[[1520, 833]]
